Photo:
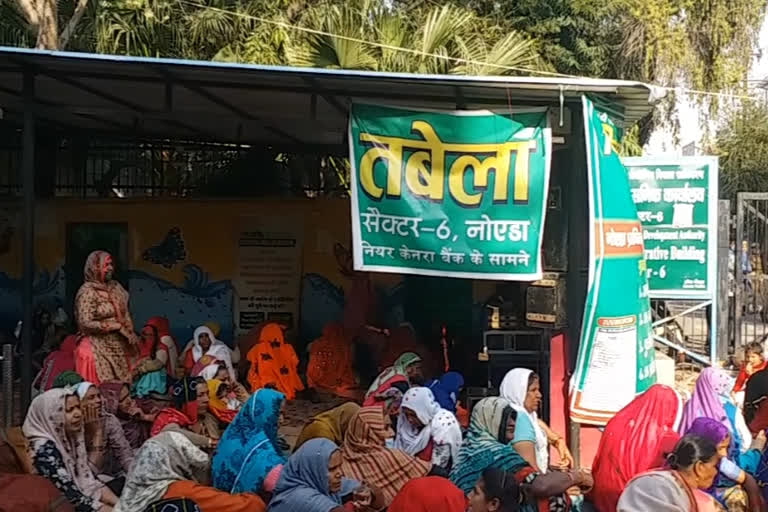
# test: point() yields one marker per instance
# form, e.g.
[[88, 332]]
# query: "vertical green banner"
[[454, 194], [616, 360]]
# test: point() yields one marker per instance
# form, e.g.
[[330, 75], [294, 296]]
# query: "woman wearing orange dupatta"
[[330, 363], [274, 362]]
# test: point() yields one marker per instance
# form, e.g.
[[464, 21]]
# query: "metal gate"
[[748, 281]]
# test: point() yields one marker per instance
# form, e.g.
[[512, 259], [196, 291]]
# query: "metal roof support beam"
[[28, 182], [242, 114], [41, 106], [330, 99]]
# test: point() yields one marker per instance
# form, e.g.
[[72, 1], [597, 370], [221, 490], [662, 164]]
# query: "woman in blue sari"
[[249, 448]]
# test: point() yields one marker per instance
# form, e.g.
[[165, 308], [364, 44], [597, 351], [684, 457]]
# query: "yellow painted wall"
[[209, 229]]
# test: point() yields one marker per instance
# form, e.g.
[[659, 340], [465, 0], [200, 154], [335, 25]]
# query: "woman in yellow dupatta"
[[217, 393]]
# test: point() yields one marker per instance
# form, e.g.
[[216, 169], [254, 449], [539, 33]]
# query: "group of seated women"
[[700, 455], [213, 446]]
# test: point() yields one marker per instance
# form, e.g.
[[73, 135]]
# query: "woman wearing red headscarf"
[[101, 311], [56, 363], [635, 441], [427, 494]]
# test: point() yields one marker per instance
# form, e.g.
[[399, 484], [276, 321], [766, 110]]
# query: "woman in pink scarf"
[[705, 401]]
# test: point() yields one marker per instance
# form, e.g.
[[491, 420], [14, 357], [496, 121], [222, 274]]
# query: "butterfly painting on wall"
[[169, 252]]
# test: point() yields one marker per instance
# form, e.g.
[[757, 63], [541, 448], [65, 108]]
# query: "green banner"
[[458, 194], [676, 201], [616, 360]]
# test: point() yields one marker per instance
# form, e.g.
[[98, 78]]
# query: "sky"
[[691, 130]]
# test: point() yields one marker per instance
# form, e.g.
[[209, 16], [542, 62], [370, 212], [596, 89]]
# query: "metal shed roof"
[[252, 104]]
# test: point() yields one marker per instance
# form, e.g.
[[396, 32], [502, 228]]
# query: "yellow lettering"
[[425, 170], [608, 131], [425, 167], [393, 155], [522, 171], [456, 180]]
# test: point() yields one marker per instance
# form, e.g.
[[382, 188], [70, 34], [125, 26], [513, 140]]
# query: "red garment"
[[85, 362], [145, 350], [633, 443], [31, 493], [429, 494], [163, 327], [760, 420], [741, 380], [426, 453], [170, 416], [56, 363]]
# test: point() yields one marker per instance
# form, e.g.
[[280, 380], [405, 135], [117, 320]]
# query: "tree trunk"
[[48, 29]]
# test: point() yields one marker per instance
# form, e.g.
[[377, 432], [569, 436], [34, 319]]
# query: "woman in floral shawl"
[[170, 467], [249, 448], [101, 311], [54, 429]]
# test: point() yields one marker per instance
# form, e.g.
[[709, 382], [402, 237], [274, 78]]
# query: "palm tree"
[[363, 34]]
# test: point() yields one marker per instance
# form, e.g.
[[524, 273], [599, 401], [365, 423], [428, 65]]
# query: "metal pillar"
[[28, 180], [6, 361], [723, 298]]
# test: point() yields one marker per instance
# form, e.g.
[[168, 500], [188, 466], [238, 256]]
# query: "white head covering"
[[659, 491], [218, 349], [210, 371], [514, 388], [82, 388], [422, 402], [45, 422], [446, 430], [164, 459]]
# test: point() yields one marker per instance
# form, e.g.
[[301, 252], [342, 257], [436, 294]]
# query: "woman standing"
[[522, 388], [54, 429], [101, 311]]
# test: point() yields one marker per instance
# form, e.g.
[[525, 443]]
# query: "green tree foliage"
[[742, 144]]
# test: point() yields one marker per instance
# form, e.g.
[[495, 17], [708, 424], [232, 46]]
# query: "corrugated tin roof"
[[224, 102]]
